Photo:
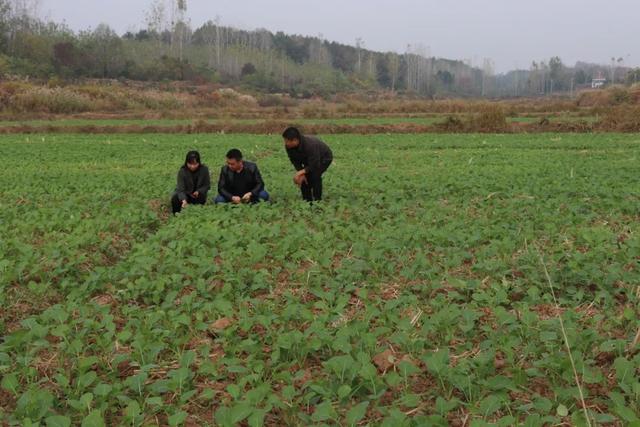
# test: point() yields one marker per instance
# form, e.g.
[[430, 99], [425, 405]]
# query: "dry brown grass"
[[108, 100], [621, 119], [476, 124]]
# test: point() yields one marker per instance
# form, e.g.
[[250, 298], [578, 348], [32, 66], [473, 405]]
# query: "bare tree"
[[359, 47], [419, 69], [394, 69], [25, 8], [371, 66], [23, 15], [318, 53], [156, 18], [615, 64], [208, 32], [180, 29], [107, 49], [487, 75]]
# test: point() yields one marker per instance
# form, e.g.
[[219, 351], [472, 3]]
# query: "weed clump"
[[490, 119]]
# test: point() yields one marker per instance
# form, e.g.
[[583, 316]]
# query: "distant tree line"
[[168, 48]]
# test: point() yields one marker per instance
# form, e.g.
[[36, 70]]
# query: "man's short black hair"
[[234, 153], [291, 133]]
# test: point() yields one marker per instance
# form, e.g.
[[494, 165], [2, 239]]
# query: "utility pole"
[[283, 57], [613, 70], [359, 45], [572, 87]]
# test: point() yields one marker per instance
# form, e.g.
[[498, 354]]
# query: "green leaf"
[[240, 411], [443, 406], [87, 362], [132, 410], [187, 358], [256, 419], [437, 362], [155, 401], [626, 413], [207, 394], [124, 336], [10, 383], [94, 419], [102, 389], [562, 410], [323, 412], [407, 368], [624, 369], [289, 392], [234, 390], [548, 336], [357, 413], [490, 405], [86, 400], [58, 421], [410, 400], [86, 380], [34, 404], [340, 365], [543, 405], [136, 382], [179, 377], [344, 391], [223, 416], [177, 418], [395, 418]]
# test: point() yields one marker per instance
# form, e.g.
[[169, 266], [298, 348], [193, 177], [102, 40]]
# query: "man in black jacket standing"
[[240, 181], [311, 158]]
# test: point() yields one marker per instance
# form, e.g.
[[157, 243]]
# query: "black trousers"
[[312, 190], [176, 204]]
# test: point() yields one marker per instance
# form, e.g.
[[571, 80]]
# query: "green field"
[[414, 294]]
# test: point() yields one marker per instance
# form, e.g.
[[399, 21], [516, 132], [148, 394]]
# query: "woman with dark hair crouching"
[[193, 183]]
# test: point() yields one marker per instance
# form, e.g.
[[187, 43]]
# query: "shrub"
[[619, 96], [490, 118], [46, 100], [621, 119], [273, 100]]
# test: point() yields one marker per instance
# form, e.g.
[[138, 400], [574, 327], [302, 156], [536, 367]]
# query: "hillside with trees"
[[168, 48]]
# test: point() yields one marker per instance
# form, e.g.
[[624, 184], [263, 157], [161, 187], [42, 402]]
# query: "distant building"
[[598, 83]]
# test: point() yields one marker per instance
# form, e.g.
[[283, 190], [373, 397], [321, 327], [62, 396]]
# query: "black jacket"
[[240, 183], [190, 182], [312, 155]]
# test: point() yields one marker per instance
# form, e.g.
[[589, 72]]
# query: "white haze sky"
[[511, 32]]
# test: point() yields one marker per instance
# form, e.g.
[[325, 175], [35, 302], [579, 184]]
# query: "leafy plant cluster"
[[415, 294]]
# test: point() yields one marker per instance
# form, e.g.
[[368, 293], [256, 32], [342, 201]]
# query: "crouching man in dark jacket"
[[240, 181], [311, 158]]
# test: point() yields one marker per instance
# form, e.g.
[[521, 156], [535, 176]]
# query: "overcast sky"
[[511, 32]]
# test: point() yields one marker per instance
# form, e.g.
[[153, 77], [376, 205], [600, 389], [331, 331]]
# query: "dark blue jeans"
[[263, 196]]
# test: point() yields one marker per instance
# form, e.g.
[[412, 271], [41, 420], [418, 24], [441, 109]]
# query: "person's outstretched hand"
[[300, 178], [246, 198]]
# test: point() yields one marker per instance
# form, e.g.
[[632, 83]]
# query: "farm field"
[[426, 289], [430, 119]]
